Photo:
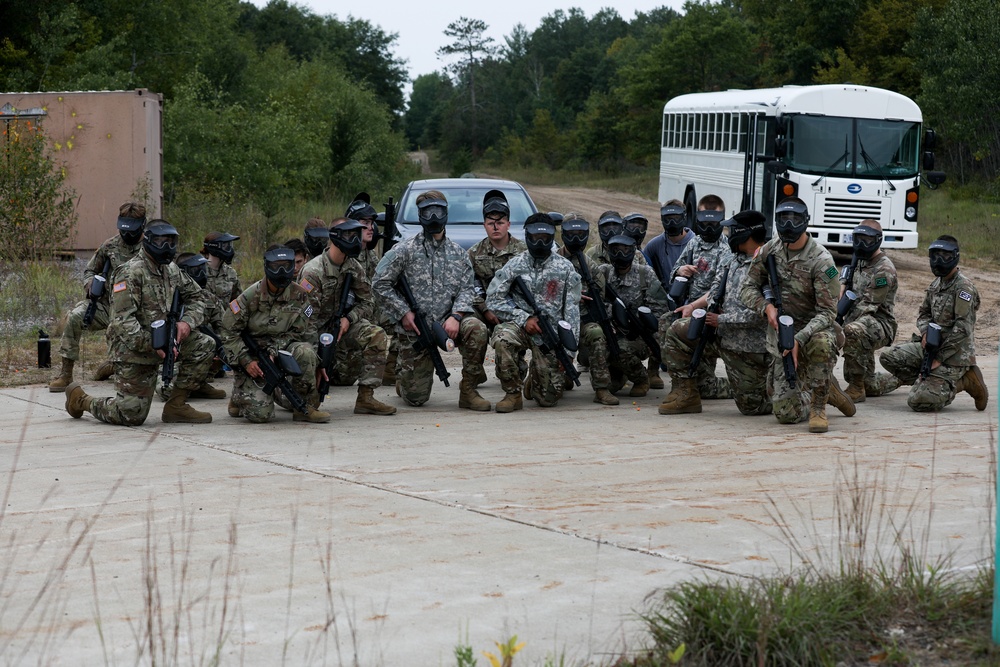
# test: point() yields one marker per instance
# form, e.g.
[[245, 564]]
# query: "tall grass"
[[968, 216]]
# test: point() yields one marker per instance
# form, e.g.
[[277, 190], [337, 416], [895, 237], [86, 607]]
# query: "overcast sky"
[[420, 25]]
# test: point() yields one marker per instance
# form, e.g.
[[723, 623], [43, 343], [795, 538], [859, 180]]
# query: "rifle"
[[598, 311], [431, 337], [697, 329], [220, 350], [328, 346], [165, 337], [389, 235], [557, 343], [635, 322], [932, 345], [786, 328], [96, 291], [274, 376], [850, 297]]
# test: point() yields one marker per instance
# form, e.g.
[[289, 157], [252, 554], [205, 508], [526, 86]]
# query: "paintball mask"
[[130, 229], [539, 237], [433, 215], [347, 237], [944, 257], [791, 217], [361, 208], [743, 226], [220, 246], [495, 204], [621, 250], [575, 234], [610, 224], [636, 225], [160, 241], [316, 240], [673, 218], [867, 240], [195, 266], [279, 266], [708, 225]]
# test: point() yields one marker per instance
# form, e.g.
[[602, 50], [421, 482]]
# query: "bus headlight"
[[911, 212]]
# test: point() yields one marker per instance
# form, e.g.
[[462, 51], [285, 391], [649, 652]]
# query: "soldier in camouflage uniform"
[[699, 262], [808, 287], [301, 254], [441, 278], [142, 293], [609, 224], [870, 323], [593, 343], [276, 312], [555, 286], [951, 302], [357, 338], [116, 251], [740, 332], [638, 286]]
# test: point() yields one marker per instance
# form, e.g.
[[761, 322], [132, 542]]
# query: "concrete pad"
[[390, 540]]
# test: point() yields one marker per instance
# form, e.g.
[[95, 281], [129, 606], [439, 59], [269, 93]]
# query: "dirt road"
[[914, 273]]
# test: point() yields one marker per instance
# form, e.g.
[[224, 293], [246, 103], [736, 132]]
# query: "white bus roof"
[[845, 100]]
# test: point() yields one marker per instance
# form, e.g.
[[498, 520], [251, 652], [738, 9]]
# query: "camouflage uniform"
[[711, 259], [141, 294], [368, 259], [740, 340], [870, 324], [440, 275], [809, 292], [555, 286], [276, 322], [639, 286], [593, 344], [118, 252], [223, 284], [362, 350], [486, 261], [952, 304], [598, 255]]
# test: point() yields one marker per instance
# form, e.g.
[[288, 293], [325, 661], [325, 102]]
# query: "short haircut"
[[673, 202], [297, 246], [338, 221], [132, 209], [430, 194], [539, 217], [949, 238], [315, 222], [711, 203], [873, 223]]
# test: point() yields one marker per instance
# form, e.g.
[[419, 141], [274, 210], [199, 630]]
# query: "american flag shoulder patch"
[[234, 306], [306, 285], [964, 296], [120, 286]]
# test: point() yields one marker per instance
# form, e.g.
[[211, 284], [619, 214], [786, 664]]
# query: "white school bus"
[[850, 152]]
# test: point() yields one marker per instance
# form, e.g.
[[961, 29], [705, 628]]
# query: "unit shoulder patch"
[[881, 281], [308, 311], [965, 296], [831, 273]]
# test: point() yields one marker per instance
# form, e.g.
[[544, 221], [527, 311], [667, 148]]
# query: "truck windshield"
[[832, 146]]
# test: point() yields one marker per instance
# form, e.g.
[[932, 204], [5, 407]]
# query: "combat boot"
[[367, 404], [177, 411], [973, 384], [510, 402], [208, 391], [104, 371], [77, 400], [817, 410], [313, 416], [605, 397], [838, 399], [481, 378], [640, 388], [683, 399], [469, 398], [856, 391], [653, 371], [234, 410], [65, 377]]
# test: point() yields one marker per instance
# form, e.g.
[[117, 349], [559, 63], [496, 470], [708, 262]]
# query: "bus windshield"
[[856, 147]]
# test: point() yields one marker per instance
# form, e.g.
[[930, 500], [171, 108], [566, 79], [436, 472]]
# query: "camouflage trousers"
[[547, 378], [69, 345], [135, 383], [631, 364], [747, 373], [415, 370], [677, 350], [928, 394], [594, 348], [816, 361], [361, 356], [862, 338], [257, 406]]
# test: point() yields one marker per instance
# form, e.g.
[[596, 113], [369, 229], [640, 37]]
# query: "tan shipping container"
[[111, 145]]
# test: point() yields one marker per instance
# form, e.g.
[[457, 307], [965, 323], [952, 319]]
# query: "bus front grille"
[[850, 212]]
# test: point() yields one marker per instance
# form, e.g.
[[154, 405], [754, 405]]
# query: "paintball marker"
[[635, 322], [699, 330], [220, 350], [96, 291], [786, 325], [849, 297], [932, 345], [165, 337], [431, 336], [678, 293], [598, 311], [328, 341], [275, 373], [559, 342]]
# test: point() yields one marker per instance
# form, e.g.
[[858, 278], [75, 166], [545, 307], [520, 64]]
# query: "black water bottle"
[[44, 350]]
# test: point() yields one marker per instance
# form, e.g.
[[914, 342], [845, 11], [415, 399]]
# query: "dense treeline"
[[265, 103], [581, 92]]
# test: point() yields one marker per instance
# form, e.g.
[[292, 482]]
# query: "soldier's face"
[[300, 261], [368, 231], [497, 226]]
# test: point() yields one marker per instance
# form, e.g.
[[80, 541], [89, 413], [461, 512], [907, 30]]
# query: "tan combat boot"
[[640, 388], [77, 400], [683, 399], [208, 391], [838, 399], [65, 377], [510, 402], [104, 371], [653, 371], [233, 409], [469, 398], [177, 411], [605, 397], [817, 410], [973, 384], [367, 404], [856, 391], [314, 416]]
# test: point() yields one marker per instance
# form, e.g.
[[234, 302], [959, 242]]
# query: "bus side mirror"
[[935, 178], [928, 160], [780, 126], [930, 139], [776, 167]]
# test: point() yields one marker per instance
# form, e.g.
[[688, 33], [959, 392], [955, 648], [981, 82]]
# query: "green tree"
[[472, 46], [423, 121]]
